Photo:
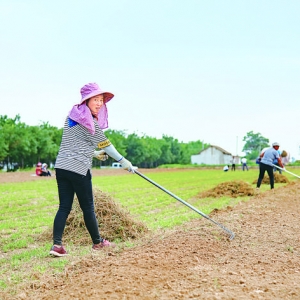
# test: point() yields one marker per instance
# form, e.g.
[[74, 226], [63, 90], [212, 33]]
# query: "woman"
[[81, 136], [38, 169], [266, 164], [45, 171]]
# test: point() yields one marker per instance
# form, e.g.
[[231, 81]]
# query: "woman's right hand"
[[101, 155]]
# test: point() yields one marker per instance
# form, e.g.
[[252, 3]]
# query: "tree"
[[14, 133], [118, 139], [254, 142], [25, 145], [151, 150], [189, 149], [4, 147], [135, 149]]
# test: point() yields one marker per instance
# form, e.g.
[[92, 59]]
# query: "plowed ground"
[[196, 261]]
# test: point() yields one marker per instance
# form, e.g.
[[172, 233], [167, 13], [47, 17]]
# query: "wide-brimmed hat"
[[92, 89]]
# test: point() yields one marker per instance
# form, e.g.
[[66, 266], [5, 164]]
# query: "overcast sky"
[[194, 70]]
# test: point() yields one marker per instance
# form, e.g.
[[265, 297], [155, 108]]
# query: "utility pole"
[[237, 145]]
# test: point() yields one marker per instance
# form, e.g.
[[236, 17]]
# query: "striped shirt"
[[77, 147]]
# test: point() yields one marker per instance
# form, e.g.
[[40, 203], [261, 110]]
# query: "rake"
[[231, 234], [285, 170]]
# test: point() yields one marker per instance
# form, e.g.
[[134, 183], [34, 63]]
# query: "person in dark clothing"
[[266, 164]]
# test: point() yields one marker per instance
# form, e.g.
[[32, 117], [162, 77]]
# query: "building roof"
[[217, 147]]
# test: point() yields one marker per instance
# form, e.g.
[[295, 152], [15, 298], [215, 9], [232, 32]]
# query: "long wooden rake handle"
[[231, 234]]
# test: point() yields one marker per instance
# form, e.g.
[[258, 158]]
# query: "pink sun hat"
[[92, 89]]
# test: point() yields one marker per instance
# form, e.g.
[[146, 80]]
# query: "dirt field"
[[195, 261], [30, 176]]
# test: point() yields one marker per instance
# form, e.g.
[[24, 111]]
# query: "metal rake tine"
[[231, 234]]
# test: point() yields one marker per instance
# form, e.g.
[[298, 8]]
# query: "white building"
[[213, 155]]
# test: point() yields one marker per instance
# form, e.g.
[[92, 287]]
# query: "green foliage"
[[25, 145], [254, 142], [253, 155], [296, 163], [149, 152]]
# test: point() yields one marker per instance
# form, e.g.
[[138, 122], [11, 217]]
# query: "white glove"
[[126, 165], [101, 155]]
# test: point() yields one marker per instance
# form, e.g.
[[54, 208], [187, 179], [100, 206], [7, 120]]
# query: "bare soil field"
[[194, 261]]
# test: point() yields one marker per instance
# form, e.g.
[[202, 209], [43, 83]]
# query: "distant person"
[[233, 162], [38, 169], [276, 164], [285, 157], [45, 171], [266, 164], [244, 164], [82, 135], [226, 168]]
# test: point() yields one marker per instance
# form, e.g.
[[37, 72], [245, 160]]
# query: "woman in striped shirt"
[[83, 133]]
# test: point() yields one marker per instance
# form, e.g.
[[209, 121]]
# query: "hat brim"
[[107, 96]]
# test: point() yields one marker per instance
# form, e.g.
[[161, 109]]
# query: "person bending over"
[[266, 164]]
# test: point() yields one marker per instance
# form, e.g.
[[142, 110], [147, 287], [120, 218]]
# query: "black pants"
[[46, 173], [262, 169], [68, 184]]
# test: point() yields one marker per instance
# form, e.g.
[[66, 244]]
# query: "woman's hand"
[[126, 165], [101, 155]]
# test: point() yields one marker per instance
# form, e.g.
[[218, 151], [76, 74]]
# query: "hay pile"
[[115, 222], [232, 189], [278, 178]]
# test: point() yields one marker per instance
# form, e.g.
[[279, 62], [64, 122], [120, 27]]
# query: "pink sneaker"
[[58, 251], [103, 244]]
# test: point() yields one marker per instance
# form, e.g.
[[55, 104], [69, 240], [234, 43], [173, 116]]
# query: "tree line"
[[23, 146]]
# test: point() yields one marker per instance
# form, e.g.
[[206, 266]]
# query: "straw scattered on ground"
[[115, 222], [234, 189], [278, 178], [193, 260]]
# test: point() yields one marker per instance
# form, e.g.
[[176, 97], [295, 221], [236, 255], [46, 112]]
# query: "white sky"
[[195, 70]]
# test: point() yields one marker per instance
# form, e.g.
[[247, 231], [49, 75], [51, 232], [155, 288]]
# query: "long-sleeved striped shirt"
[[77, 147]]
